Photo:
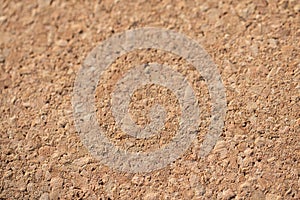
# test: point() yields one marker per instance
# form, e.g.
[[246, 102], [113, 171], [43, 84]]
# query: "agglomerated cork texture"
[[255, 46]]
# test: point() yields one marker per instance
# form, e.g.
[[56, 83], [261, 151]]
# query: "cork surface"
[[255, 47]]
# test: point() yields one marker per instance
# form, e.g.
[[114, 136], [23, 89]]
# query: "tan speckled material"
[[255, 46]]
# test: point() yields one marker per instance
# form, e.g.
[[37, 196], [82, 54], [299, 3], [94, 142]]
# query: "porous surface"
[[255, 45]]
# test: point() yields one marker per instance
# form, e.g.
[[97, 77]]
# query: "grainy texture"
[[255, 45]]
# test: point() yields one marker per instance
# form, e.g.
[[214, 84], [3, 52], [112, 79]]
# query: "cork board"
[[255, 47]]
